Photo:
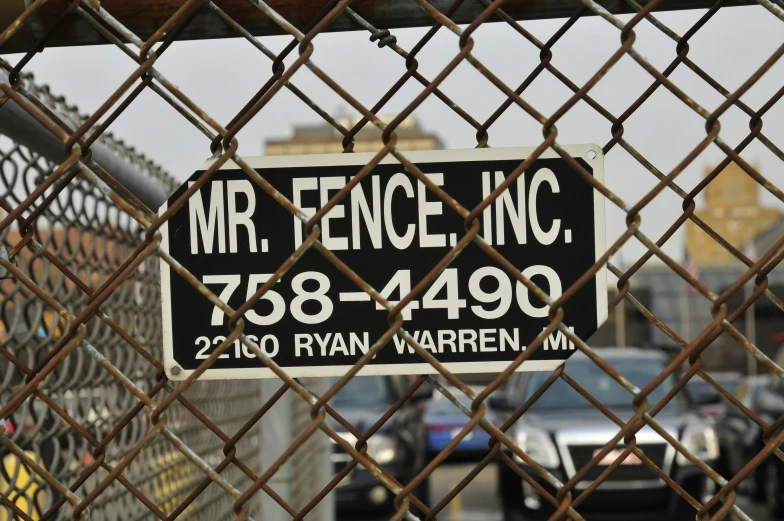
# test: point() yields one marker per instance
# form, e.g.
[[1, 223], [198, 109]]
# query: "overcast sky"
[[222, 75]]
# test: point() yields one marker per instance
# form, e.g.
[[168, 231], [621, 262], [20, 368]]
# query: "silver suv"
[[562, 431]]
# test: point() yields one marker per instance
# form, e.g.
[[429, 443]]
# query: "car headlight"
[[538, 445], [381, 448], [701, 441]]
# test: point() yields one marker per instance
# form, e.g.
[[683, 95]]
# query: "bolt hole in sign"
[[391, 230]]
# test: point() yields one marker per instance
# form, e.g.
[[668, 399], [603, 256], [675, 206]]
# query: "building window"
[[734, 225]]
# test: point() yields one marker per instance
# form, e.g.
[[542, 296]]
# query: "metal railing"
[[82, 347]]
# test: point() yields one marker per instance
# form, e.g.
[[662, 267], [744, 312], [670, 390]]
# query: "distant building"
[[689, 315], [323, 138], [733, 209], [760, 244]]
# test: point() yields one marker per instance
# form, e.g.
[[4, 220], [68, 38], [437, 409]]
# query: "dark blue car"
[[444, 421]]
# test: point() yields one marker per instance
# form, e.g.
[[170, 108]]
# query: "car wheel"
[[513, 514], [422, 492], [773, 491], [758, 484]]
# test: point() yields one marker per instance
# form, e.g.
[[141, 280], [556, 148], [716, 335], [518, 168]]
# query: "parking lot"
[[479, 501]]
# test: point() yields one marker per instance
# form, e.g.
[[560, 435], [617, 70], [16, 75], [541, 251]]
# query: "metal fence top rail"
[[107, 333], [144, 17]]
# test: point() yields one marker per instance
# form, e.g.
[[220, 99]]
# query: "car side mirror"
[[707, 399], [500, 403]]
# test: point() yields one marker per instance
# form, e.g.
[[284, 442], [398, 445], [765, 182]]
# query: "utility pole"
[[750, 330]]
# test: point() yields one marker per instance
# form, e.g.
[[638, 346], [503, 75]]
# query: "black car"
[[399, 446], [771, 409], [562, 431], [741, 440]]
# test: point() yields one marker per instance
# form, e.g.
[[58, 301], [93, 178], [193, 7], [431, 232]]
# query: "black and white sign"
[[391, 230]]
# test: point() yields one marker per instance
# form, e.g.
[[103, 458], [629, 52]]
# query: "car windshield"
[[600, 385], [701, 389], [362, 391]]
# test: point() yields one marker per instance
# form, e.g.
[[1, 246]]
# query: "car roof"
[[618, 353], [722, 376], [608, 354], [457, 392]]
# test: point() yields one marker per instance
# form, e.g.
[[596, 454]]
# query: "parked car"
[[400, 445], [444, 421], [771, 408], [562, 431], [741, 438], [713, 405]]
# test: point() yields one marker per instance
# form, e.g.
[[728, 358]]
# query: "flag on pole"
[[692, 269]]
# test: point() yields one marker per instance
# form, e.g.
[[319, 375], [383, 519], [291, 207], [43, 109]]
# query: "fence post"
[[309, 469], [275, 429]]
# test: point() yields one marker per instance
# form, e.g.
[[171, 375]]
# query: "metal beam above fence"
[[144, 17], [87, 410]]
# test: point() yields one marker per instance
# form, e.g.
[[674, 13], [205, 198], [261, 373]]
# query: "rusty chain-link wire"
[[82, 381]]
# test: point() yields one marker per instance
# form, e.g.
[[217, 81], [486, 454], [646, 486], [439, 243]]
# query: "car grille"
[[582, 454]]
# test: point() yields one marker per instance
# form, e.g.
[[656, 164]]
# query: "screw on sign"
[[391, 231]]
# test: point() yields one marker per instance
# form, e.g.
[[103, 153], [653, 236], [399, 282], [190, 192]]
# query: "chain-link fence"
[[92, 425], [81, 407]]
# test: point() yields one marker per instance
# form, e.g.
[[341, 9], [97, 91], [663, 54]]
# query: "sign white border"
[[360, 159]]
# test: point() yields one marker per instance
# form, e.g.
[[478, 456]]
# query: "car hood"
[[455, 419], [586, 423]]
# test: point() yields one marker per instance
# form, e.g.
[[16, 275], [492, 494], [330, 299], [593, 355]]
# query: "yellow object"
[[25, 483]]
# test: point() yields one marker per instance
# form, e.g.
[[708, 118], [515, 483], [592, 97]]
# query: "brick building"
[[734, 210], [323, 138]]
